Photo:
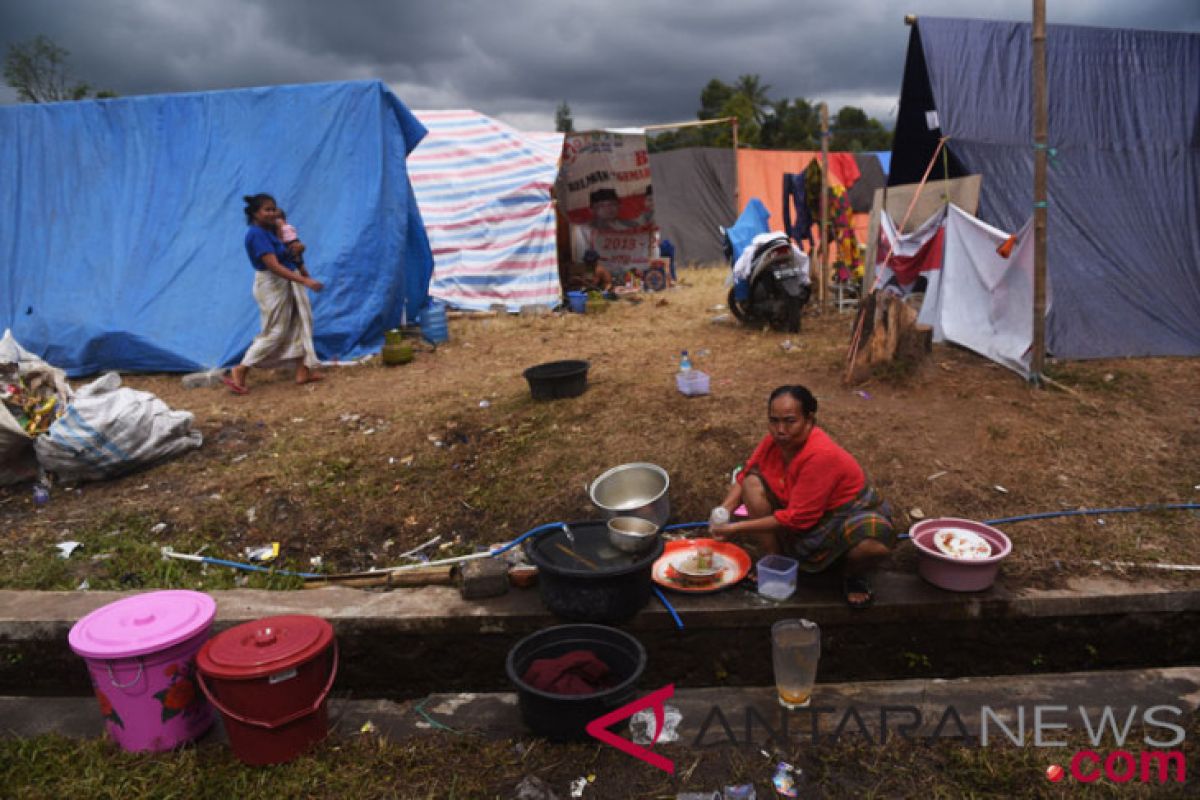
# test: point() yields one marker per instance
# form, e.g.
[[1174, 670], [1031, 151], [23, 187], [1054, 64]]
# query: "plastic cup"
[[795, 651]]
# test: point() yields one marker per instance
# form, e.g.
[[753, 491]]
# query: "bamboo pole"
[[666, 126], [1039, 190], [823, 249], [737, 192]]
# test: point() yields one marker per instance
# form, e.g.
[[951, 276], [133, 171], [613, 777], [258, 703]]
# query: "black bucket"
[[561, 717], [588, 579], [557, 379]]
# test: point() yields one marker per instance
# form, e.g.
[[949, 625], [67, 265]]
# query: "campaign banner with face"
[[604, 189]]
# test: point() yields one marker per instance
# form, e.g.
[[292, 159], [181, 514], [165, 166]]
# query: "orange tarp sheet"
[[760, 174]]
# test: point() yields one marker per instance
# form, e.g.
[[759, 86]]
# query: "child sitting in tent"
[[592, 276]]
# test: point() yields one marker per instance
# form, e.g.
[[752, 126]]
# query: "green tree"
[[563, 122], [792, 125], [38, 70], [754, 91], [854, 131], [713, 98]]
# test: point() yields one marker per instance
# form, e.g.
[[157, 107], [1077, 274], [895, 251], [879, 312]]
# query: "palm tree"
[[755, 91]]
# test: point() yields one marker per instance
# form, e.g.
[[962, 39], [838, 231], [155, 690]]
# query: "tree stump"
[[886, 334]]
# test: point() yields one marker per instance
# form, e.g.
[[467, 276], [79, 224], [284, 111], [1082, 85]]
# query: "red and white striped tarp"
[[484, 193]]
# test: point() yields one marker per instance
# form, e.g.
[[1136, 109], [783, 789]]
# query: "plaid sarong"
[[867, 516]]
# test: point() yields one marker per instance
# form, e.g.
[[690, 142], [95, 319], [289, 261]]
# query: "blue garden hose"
[[1081, 512], [670, 608], [1026, 517]]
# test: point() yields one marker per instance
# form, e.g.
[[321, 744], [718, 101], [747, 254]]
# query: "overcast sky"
[[620, 62]]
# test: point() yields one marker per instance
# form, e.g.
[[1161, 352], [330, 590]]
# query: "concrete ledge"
[[410, 642], [496, 715]]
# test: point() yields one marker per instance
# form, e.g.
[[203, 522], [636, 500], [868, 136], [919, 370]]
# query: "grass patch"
[[120, 552], [442, 766]]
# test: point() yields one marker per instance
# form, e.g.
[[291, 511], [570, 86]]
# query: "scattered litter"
[[937, 475], [316, 561], [1100, 521], [641, 725], [1109, 377], [65, 549], [484, 404], [720, 319], [1000, 489], [297, 420], [916, 513], [784, 780], [532, 787], [263, 554], [83, 586], [743, 791], [158, 528], [579, 784], [236, 459], [102, 556], [703, 352], [251, 514], [714, 795], [368, 431], [786, 345], [415, 552], [41, 494], [367, 727], [718, 307], [864, 394], [407, 461]]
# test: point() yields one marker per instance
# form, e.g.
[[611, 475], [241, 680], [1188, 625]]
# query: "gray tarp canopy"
[[1123, 234]]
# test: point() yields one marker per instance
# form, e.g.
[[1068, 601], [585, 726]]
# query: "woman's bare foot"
[[305, 375], [238, 376]]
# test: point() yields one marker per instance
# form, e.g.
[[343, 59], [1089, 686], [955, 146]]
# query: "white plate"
[[962, 544]]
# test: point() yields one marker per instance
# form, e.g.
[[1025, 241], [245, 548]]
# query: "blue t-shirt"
[[259, 242]]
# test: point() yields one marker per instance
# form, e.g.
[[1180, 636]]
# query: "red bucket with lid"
[[270, 680]]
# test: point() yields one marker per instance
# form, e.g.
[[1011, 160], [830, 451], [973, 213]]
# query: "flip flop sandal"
[[234, 387], [858, 585]]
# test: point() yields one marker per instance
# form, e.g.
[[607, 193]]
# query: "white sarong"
[[287, 328]]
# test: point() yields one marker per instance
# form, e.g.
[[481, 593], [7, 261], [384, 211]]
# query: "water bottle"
[[202, 380], [685, 363]]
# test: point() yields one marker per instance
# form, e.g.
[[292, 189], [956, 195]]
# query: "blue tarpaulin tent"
[[121, 225], [1123, 232]]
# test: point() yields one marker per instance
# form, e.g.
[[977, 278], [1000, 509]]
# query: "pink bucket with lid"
[[141, 656]]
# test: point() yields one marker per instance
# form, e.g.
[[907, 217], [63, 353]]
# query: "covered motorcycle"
[[771, 283]]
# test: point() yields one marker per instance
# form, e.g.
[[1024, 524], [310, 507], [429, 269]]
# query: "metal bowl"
[[633, 490], [632, 534]]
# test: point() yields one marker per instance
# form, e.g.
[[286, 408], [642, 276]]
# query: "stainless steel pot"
[[633, 490]]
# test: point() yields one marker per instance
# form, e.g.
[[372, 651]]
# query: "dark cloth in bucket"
[[576, 672]]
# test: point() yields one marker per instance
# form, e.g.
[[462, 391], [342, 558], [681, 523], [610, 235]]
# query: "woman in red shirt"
[[809, 499]]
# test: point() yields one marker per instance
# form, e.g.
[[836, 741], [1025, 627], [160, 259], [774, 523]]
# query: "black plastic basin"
[[555, 380], [585, 578], [565, 717]]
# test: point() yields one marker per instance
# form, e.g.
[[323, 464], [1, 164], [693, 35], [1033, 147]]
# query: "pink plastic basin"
[[956, 574]]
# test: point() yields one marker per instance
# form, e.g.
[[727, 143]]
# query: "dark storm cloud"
[[617, 63]]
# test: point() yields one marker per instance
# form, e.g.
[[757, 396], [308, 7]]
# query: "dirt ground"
[[377, 459]]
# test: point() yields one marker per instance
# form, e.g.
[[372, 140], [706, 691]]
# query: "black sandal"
[[855, 584]]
